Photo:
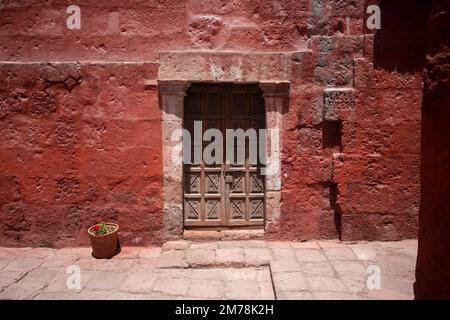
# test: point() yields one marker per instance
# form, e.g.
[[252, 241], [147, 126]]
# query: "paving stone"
[[364, 252], [176, 245], [118, 265], [318, 268], [343, 253], [89, 263], [105, 280], [39, 275], [293, 281], [200, 258], [230, 257], [278, 266], [150, 252], [201, 235], [145, 265], [125, 296], [283, 253], [241, 234], [232, 274], [51, 296], [62, 259], [397, 244], [172, 259], [330, 244], [279, 244], [128, 253], [294, 295], [335, 296], [203, 246], [23, 265], [171, 286], [349, 269], [411, 252], [405, 247], [21, 291], [263, 274], [12, 253], [396, 264], [326, 284], [174, 273], [4, 262], [206, 288], [90, 295], [257, 256], [354, 285], [241, 290], [306, 245], [265, 284], [59, 283], [266, 290], [255, 244], [139, 283], [231, 244], [399, 284], [308, 255], [160, 296], [38, 253], [74, 252], [214, 274], [9, 278], [386, 294]]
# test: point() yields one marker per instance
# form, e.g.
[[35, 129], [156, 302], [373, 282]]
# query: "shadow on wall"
[[433, 260], [400, 44]]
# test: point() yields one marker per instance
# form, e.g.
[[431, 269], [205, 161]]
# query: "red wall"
[[81, 138]]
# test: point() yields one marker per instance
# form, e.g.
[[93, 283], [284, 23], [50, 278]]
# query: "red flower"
[[96, 227]]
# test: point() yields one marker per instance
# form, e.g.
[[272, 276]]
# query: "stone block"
[[241, 234], [230, 257], [257, 256], [290, 281], [339, 104], [176, 245], [342, 253], [201, 235], [172, 259], [199, 258], [138, 283], [308, 255], [326, 284]]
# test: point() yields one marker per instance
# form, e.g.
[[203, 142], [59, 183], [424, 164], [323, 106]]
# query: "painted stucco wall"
[[80, 117]]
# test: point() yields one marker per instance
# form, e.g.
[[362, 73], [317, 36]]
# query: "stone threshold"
[[223, 235]]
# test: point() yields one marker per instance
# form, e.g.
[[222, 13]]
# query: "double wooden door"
[[224, 195]]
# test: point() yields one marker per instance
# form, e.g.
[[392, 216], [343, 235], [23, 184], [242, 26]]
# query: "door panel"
[[224, 195]]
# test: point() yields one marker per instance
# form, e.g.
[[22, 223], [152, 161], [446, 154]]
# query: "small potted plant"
[[104, 239]]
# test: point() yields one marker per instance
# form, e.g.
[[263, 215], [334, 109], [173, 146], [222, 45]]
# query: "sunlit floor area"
[[251, 269]]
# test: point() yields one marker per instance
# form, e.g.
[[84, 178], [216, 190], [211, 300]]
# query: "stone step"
[[208, 235]]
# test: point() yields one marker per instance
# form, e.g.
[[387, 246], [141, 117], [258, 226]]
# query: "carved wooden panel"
[[192, 209], [212, 182]]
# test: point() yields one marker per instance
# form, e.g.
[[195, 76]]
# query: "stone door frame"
[[172, 93]]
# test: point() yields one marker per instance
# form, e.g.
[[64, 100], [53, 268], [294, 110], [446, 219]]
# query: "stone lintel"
[[236, 67]]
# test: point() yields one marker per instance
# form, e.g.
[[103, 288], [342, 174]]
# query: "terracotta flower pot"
[[104, 246]]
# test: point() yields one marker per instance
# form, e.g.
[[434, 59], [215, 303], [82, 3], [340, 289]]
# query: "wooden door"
[[224, 195]]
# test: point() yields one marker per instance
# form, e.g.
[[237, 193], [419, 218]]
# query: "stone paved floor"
[[215, 270]]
